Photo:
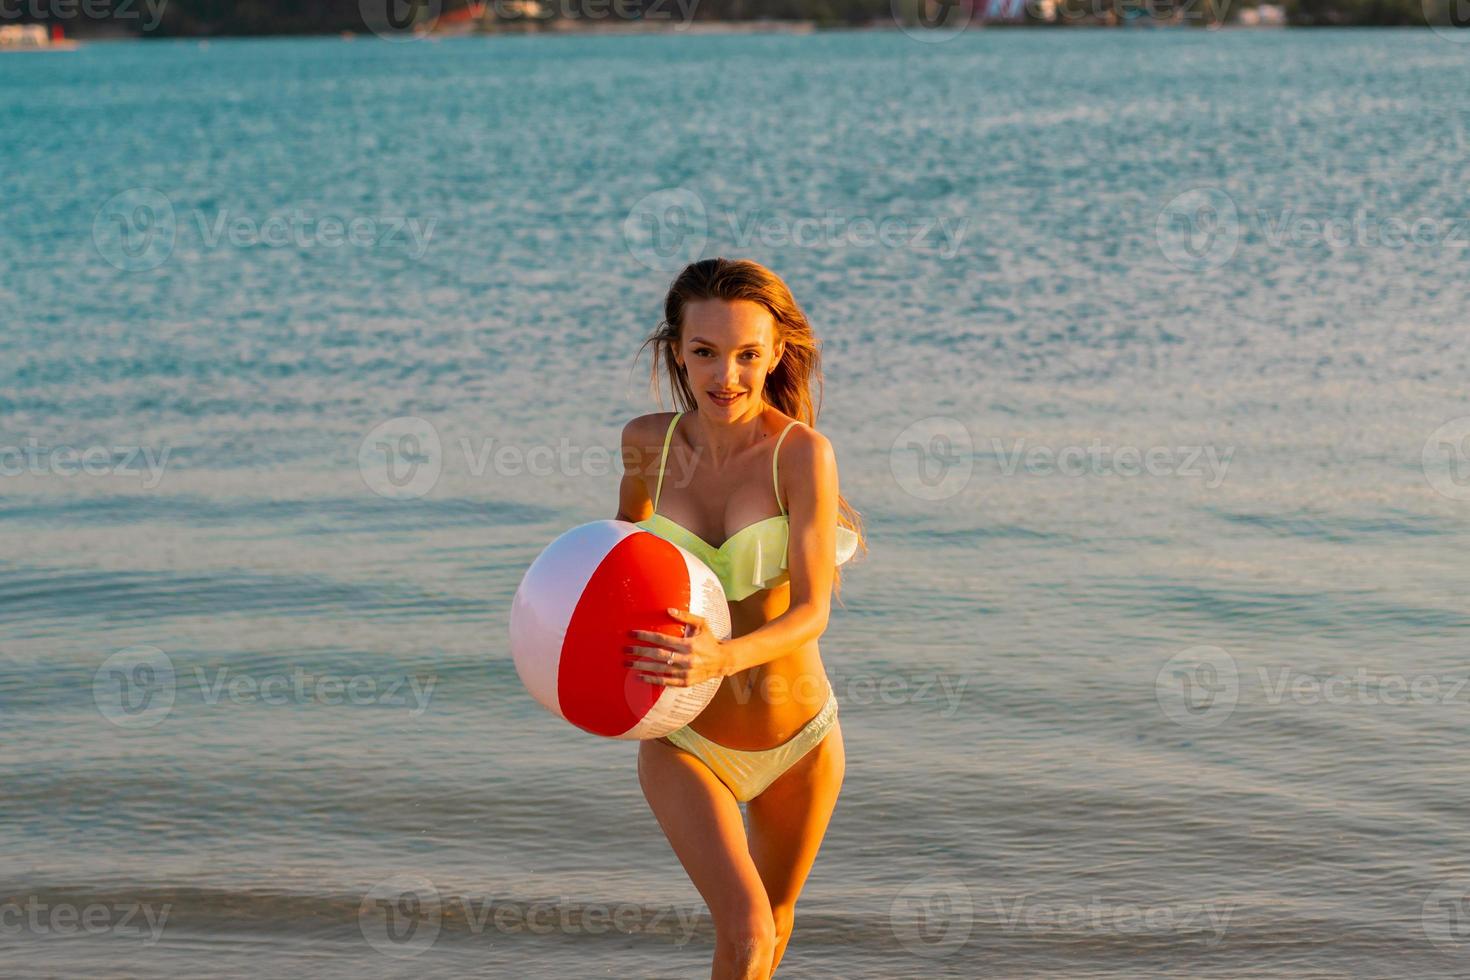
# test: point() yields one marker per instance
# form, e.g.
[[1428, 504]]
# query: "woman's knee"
[[783, 917], [747, 926]]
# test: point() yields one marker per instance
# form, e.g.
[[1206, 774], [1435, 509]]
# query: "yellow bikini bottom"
[[747, 773]]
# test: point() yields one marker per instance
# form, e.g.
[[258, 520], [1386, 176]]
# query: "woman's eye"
[[706, 350]]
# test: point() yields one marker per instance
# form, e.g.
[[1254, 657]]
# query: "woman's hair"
[[788, 386]]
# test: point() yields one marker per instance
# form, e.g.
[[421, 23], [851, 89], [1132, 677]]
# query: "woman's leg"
[[700, 817], [787, 823]]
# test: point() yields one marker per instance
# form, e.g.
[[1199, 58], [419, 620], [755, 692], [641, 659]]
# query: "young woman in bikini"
[[742, 455]]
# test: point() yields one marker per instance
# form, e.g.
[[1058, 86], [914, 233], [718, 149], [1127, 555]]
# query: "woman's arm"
[[809, 472], [634, 504]]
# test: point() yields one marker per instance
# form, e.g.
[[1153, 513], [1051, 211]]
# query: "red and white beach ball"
[[570, 619]]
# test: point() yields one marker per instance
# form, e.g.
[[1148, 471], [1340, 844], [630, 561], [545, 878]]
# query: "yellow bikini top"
[[747, 562]]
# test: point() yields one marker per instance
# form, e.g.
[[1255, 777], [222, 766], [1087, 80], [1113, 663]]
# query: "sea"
[[1144, 360]]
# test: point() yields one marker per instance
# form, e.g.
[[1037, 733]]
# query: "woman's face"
[[728, 348]]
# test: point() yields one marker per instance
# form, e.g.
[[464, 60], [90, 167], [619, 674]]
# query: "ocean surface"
[[1145, 364]]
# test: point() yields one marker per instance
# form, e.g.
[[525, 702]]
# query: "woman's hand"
[[678, 661]]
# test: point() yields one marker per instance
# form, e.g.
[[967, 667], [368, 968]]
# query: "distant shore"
[[611, 25], [577, 27], [1244, 19]]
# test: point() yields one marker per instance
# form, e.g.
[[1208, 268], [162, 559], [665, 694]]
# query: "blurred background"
[[1144, 359], [191, 18]]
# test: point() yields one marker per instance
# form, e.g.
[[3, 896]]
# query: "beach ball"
[[570, 619]]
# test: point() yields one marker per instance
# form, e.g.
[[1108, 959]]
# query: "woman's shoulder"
[[803, 449], [642, 427], [795, 432], [643, 441]]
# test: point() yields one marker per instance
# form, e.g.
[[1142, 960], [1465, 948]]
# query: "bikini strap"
[[663, 458], [774, 479]]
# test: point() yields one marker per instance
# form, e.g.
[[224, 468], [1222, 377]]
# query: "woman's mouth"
[[725, 400]]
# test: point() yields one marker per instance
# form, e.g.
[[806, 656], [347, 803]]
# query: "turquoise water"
[[1204, 720]]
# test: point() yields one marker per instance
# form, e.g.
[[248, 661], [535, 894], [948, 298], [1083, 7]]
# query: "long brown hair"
[[788, 386]]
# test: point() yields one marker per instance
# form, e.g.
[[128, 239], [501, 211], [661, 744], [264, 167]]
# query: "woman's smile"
[[724, 399]]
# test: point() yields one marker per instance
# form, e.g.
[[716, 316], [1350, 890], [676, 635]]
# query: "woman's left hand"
[[678, 661]]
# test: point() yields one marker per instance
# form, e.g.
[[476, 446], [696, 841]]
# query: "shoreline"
[[730, 28]]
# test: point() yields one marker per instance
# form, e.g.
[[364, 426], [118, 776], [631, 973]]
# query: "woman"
[[742, 455]]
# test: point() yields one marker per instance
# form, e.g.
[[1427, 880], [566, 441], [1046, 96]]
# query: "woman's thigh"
[[702, 821], [789, 819]]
